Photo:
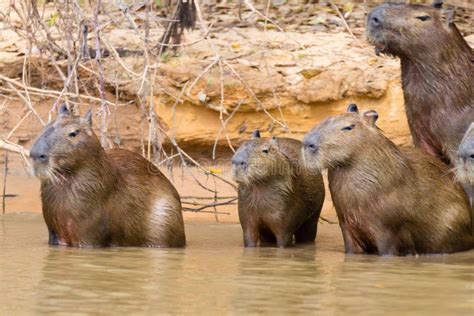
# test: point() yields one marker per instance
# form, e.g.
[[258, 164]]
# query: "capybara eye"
[[73, 134], [265, 151], [348, 128], [423, 17]]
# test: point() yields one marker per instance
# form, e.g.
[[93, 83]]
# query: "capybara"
[[278, 197], [437, 68], [97, 198], [389, 200]]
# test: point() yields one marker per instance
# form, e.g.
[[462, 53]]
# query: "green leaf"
[[348, 7], [318, 20], [53, 19]]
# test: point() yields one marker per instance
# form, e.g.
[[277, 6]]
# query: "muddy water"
[[215, 274]]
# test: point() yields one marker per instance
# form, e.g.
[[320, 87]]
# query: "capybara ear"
[[438, 4], [273, 144], [371, 116], [64, 111], [256, 134], [448, 16], [88, 117], [352, 108]]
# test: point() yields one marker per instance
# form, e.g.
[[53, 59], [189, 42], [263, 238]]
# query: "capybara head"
[[336, 139], [405, 30], [63, 146], [465, 162], [259, 160]]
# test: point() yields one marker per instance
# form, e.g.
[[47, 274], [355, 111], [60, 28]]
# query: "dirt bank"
[[282, 75], [220, 85], [281, 89]]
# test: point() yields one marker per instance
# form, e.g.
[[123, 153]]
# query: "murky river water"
[[215, 275]]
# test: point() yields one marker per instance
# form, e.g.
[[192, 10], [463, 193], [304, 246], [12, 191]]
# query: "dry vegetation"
[[64, 46]]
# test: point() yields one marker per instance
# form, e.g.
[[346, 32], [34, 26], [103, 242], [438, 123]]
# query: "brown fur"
[[389, 200], [278, 197], [437, 72], [94, 198]]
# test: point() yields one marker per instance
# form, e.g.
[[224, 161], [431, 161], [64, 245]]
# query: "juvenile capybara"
[[96, 198], [278, 197], [437, 68], [389, 200]]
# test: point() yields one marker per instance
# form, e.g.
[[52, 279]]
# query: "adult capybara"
[[95, 198], [278, 197], [437, 72], [389, 200]]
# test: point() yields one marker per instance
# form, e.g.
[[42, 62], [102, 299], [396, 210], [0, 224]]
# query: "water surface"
[[215, 275]]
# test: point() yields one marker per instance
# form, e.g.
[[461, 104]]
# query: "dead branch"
[[187, 197], [187, 209], [323, 219], [205, 206], [49, 93], [249, 4], [345, 24], [5, 174], [14, 148]]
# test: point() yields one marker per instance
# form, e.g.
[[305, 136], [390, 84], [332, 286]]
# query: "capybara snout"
[[39, 153], [310, 145], [466, 149], [375, 17], [465, 162]]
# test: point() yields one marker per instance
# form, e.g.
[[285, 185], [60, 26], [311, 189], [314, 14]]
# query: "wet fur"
[[389, 200], [97, 198], [437, 74], [279, 199]]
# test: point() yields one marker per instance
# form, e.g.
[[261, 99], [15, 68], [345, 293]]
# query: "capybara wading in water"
[[437, 72], [96, 198], [389, 200], [278, 197]]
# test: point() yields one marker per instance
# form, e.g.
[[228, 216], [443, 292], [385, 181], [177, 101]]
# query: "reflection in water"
[[122, 276], [215, 274]]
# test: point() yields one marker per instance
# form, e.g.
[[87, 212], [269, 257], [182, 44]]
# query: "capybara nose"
[[37, 153], [375, 17], [466, 153], [310, 146], [38, 156], [239, 162]]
